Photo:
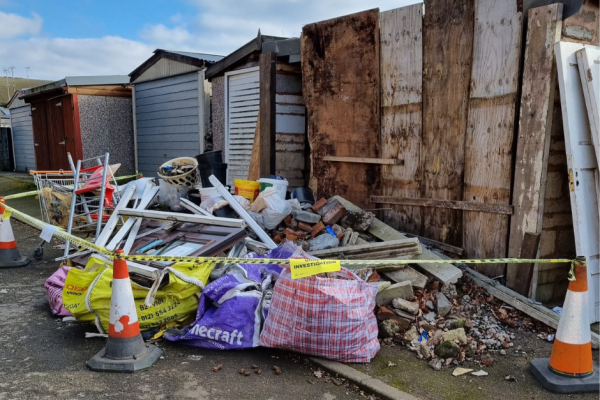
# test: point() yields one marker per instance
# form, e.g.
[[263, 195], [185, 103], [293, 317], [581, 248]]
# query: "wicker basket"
[[189, 179]]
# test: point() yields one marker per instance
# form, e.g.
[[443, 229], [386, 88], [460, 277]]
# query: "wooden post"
[[533, 141], [267, 62]]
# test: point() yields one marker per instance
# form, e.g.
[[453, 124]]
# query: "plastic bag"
[[54, 286], [87, 293], [324, 317], [274, 208], [233, 307]]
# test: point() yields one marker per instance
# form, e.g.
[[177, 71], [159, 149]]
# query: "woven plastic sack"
[[87, 294], [54, 287], [325, 317]]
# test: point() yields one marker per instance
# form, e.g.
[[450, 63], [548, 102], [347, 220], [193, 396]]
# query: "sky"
[[58, 38]]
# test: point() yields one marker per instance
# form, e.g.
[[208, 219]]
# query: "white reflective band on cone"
[[576, 329], [122, 304]]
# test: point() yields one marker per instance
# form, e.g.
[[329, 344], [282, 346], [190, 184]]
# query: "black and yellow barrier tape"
[[61, 234]]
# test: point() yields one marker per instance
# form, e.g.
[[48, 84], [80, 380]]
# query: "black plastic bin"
[[210, 157], [219, 170]]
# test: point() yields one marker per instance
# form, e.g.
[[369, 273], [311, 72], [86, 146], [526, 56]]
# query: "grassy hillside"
[[15, 84]]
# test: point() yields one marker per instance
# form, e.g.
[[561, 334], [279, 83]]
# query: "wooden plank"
[[583, 168], [173, 216], [491, 208], [437, 245], [444, 272], [447, 57], [406, 244], [490, 130], [340, 76], [363, 160], [529, 249], [267, 63], [588, 60], [254, 169], [401, 68], [533, 141]]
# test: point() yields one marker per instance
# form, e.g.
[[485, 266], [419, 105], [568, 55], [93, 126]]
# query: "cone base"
[[563, 384], [125, 355], [13, 259]]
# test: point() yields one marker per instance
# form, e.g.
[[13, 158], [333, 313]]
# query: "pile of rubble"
[[326, 224], [448, 325]]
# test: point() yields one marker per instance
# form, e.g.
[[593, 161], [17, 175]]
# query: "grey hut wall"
[[22, 131], [167, 120]]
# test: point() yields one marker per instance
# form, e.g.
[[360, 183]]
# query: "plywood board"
[[490, 131], [340, 66], [447, 56], [588, 61], [401, 68], [583, 168], [533, 140]]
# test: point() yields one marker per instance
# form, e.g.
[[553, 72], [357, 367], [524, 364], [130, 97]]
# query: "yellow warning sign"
[[304, 268]]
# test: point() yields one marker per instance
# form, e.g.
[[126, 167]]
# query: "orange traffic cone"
[[125, 350], [9, 254], [570, 368]]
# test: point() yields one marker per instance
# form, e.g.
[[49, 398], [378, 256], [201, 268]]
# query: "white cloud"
[[13, 25], [218, 27], [56, 58]]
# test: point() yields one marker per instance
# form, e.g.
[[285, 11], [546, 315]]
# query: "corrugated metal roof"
[[199, 56]]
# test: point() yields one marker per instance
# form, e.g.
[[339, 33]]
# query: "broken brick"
[[319, 204], [334, 214], [277, 239], [339, 231], [318, 228], [288, 220], [291, 237]]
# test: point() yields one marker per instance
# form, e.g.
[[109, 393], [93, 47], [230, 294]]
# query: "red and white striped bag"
[[330, 318]]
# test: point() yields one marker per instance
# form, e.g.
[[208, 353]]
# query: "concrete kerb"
[[362, 380]]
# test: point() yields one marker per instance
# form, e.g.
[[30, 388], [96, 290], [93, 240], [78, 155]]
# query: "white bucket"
[[279, 185], [207, 193]]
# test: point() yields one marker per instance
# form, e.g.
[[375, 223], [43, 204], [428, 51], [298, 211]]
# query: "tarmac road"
[[42, 357]]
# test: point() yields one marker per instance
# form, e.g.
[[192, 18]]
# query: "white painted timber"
[[588, 60], [173, 216], [583, 168]]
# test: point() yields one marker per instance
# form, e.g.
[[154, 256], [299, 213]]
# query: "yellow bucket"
[[247, 189]]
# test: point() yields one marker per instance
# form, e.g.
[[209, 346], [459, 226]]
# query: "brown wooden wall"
[[449, 101]]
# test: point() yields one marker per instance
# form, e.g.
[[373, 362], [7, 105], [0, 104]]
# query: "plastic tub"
[[279, 185], [219, 170], [189, 179], [247, 189], [210, 157], [207, 193]]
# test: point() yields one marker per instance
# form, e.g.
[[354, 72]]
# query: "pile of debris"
[[448, 325], [323, 225]]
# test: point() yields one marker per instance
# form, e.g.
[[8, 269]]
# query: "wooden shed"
[[171, 107], [22, 133], [261, 80], [85, 116]]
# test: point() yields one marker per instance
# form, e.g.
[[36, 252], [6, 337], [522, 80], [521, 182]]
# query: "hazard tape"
[[61, 234]]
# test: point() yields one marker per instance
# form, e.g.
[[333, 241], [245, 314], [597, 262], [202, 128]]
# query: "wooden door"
[[583, 168], [40, 137], [57, 138]]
